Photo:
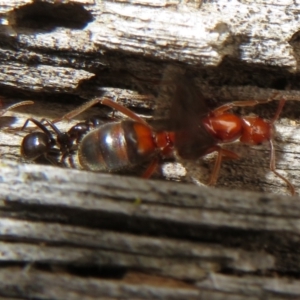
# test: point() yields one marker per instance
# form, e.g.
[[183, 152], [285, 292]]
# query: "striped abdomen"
[[116, 146]]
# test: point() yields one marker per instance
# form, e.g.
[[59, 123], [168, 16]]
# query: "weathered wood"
[[75, 222], [224, 42], [69, 234], [24, 284]]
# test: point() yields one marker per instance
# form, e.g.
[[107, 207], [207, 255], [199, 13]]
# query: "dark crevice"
[[86, 270], [82, 270], [269, 273], [43, 16], [108, 272]]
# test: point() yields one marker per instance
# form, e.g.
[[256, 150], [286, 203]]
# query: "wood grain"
[[70, 222], [72, 234]]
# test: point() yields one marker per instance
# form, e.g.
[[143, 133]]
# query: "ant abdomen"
[[117, 146]]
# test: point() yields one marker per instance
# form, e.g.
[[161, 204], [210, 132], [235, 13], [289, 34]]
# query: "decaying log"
[[71, 234], [136, 239]]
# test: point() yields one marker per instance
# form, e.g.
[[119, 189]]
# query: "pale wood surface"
[[69, 234], [52, 42]]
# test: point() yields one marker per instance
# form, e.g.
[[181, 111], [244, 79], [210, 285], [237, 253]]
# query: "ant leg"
[[51, 159], [124, 110], [279, 110], [55, 129], [27, 102], [222, 153], [63, 158], [272, 149], [151, 168], [63, 140], [104, 101], [38, 124], [220, 110], [273, 168], [71, 162], [72, 114]]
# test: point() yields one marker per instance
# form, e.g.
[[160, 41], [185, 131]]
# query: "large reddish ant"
[[203, 130], [194, 131]]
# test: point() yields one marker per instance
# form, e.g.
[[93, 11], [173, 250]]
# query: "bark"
[[72, 234]]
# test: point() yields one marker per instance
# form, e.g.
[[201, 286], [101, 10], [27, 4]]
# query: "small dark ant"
[[43, 143]]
